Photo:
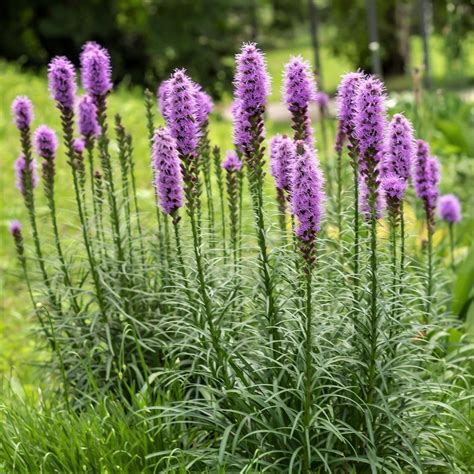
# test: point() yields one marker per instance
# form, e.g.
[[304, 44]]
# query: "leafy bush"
[[311, 346]]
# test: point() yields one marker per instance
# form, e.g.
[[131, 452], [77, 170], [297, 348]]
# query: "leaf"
[[463, 292]]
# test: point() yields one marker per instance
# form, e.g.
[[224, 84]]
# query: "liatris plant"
[[290, 368], [369, 123], [449, 209], [251, 88], [426, 178], [306, 201], [346, 109], [232, 165], [397, 163], [282, 156]]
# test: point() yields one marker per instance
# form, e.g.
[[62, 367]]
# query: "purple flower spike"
[[322, 99], [62, 81], [394, 188], [299, 91], [299, 84], [163, 95], [400, 148], [251, 88], [22, 176], [450, 208], [345, 101], [182, 120], [369, 123], [364, 201], [78, 145], [96, 71], [340, 139], [167, 171], [231, 162], [15, 228], [22, 111], [87, 122], [426, 177], [307, 192], [204, 105], [46, 142], [282, 158]]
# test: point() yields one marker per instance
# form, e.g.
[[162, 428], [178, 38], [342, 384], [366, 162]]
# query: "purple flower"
[[345, 101], [62, 81], [282, 158], [167, 171], [231, 162], [22, 176], [322, 99], [307, 194], [426, 177], [15, 228], [182, 120], [22, 111], [394, 188], [78, 145], [340, 139], [251, 88], [162, 95], [369, 123], [87, 122], [364, 201], [46, 142], [96, 71], [450, 208], [299, 84], [204, 105], [399, 148], [299, 91]]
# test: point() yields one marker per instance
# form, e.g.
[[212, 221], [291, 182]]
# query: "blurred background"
[[149, 38]]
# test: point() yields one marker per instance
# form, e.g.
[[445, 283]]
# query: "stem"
[[339, 196], [220, 185], [281, 200], [308, 374], [402, 245], [108, 175], [356, 224], [429, 283], [451, 244]]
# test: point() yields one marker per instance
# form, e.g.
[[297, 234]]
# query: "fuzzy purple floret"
[[426, 176], [62, 81], [15, 228], [231, 162], [307, 194], [364, 201], [449, 208], [20, 175], [345, 101], [87, 120], [369, 123], [96, 70], [46, 142], [394, 188], [299, 85], [204, 105], [251, 88], [399, 148], [79, 145], [22, 111], [282, 158], [182, 121], [167, 171], [322, 99], [340, 139]]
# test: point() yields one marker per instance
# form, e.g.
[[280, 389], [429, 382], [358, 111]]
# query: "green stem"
[[308, 374], [429, 283], [451, 244], [281, 200], [339, 196]]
